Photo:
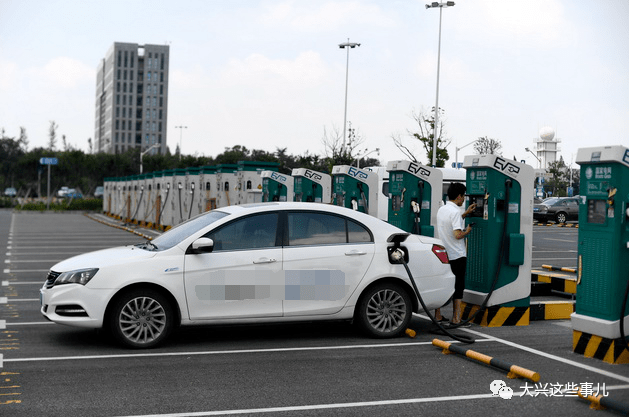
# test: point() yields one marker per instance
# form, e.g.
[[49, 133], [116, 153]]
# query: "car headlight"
[[544, 209], [80, 276]]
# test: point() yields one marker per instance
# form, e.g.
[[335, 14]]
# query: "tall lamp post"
[[538, 160], [364, 155], [434, 139], [181, 128], [456, 153], [145, 152], [346, 45]]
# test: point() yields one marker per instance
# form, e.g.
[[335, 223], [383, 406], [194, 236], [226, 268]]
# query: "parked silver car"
[[557, 209]]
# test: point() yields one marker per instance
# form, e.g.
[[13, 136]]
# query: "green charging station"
[[312, 186], [602, 272], [500, 246], [276, 186], [355, 188], [414, 196]]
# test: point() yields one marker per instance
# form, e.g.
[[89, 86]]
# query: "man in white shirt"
[[452, 232]]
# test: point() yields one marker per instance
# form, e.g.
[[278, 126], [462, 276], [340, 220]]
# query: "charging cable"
[[398, 256]]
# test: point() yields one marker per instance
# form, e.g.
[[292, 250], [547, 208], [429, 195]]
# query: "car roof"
[[325, 208]]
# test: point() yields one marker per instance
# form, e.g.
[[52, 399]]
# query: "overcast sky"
[[268, 74]]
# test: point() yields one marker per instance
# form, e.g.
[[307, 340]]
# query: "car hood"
[[105, 257]]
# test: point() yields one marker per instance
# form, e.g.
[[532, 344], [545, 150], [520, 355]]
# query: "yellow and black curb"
[[128, 229], [497, 316], [558, 282], [574, 225], [551, 310], [601, 402], [592, 346], [514, 371], [560, 268]]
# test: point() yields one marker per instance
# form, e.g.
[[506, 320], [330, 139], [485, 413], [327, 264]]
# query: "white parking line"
[[12, 271], [222, 352], [14, 261], [323, 406], [550, 356], [343, 405]]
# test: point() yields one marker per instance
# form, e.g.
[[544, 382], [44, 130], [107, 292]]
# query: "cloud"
[[533, 23], [331, 15], [307, 67], [66, 73]]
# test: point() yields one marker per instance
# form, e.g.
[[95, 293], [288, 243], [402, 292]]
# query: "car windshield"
[[183, 230]]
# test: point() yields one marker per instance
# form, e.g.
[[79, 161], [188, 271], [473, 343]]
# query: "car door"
[[238, 278], [325, 258], [572, 207]]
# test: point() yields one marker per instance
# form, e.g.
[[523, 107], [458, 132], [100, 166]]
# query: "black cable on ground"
[[462, 339]]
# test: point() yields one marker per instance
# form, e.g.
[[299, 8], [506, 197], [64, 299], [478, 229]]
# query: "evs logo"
[[418, 169], [356, 173], [312, 175], [504, 165], [278, 177]]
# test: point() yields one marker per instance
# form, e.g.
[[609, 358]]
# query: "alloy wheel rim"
[[386, 310], [142, 320]]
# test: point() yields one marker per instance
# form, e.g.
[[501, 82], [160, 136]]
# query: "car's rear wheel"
[[384, 310], [561, 217], [141, 318]]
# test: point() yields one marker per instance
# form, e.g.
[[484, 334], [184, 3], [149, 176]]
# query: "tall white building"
[[547, 147], [132, 98]]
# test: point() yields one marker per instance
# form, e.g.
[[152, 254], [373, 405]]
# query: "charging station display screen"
[[596, 211], [480, 203]]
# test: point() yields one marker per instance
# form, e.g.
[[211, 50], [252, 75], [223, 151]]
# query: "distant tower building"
[[547, 146], [132, 98]]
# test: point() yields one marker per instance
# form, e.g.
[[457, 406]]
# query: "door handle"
[[355, 253], [264, 261]]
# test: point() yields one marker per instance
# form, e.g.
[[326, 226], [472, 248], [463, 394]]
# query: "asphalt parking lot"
[[320, 369]]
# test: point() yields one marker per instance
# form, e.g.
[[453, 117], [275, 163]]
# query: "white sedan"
[[269, 262]]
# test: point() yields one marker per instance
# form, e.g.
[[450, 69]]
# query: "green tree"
[[558, 178], [52, 135], [425, 134]]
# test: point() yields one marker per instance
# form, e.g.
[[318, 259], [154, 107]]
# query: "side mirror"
[[202, 245]]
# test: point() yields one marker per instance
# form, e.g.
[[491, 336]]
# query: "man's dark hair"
[[456, 189]]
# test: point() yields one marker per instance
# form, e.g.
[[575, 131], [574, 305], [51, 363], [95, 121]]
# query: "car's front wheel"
[[384, 310], [141, 318], [561, 217]]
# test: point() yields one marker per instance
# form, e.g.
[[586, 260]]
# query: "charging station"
[[499, 248], [355, 188], [226, 181], [250, 180], [207, 189], [414, 197], [602, 274], [276, 186], [312, 186]]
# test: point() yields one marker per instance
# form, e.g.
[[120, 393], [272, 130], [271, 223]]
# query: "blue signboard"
[[48, 161]]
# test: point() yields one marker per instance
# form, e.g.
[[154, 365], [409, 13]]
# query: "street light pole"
[[538, 160], [347, 45], [456, 153], [434, 139], [144, 153], [363, 156], [181, 128]]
